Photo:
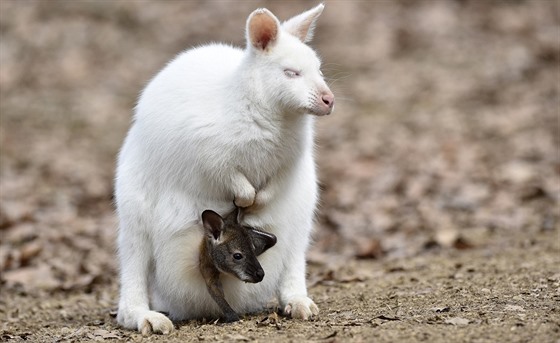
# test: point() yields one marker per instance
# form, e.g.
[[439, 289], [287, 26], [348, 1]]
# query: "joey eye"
[[237, 256], [291, 73]]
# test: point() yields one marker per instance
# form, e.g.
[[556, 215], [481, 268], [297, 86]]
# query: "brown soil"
[[440, 167]]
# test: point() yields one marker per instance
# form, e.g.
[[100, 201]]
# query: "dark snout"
[[254, 275], [259, 275]]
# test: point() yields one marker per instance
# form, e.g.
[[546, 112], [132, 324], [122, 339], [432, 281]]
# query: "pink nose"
[[328, 99]]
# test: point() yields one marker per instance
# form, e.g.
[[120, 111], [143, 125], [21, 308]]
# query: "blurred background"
[[445, 134]]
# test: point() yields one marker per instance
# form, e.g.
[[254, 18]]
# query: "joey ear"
[[262, 29], [261, 240], [303, 24], [213, 223]]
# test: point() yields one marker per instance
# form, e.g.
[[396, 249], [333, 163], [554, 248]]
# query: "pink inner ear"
[[263, 30]]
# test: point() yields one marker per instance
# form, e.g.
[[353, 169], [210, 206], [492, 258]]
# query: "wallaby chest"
[[262, 152]]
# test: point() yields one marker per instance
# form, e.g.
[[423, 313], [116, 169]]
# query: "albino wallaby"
[[221, 123], [232, 248]]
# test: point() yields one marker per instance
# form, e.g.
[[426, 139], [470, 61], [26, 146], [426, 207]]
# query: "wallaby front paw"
[[301, 308], [245, 200], [155, 322], [262, 198]]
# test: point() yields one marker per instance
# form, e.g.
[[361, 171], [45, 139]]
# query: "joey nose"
[[259, 274]]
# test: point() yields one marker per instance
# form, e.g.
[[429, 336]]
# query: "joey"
[[229, 247]]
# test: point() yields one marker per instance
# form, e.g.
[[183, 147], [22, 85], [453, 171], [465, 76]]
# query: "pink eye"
[[291, 73]]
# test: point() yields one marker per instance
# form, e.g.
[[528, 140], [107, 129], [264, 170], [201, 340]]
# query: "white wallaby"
[[218, 124]]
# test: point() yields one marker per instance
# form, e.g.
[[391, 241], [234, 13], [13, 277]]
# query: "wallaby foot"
[[155, 322], [301, 307]]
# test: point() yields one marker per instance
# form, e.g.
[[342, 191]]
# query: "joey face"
[[236, 256], [234, 248]]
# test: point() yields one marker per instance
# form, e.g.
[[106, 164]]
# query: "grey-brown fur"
[[229, 247]]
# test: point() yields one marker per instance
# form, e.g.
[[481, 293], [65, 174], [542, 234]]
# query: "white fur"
[[219, 123]]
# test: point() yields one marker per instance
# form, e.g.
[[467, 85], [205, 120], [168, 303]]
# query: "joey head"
[[229, 247]]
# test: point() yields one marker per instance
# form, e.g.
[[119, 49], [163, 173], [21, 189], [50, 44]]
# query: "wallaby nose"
[[328, 99]]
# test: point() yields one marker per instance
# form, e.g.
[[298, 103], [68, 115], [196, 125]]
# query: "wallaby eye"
[[291, 73], [237, 256]]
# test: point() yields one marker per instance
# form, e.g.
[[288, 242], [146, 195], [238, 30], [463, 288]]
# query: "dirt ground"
[[439, 168]]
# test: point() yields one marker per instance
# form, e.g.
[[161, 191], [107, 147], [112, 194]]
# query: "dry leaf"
[[40, 277], [369, 249], [457, 321], [237, 337], [106, 334], [514, 308], [29, 251]]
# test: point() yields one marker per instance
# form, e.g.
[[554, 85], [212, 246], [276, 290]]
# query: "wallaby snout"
[[260, 274], [323, 103], [328, 102], [255, 274]]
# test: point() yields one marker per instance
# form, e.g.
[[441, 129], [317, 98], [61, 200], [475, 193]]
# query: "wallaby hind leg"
[[134, 311]]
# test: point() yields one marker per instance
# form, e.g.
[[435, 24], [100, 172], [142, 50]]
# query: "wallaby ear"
[[261, 240], [213, 223], [303, 24], [262, 29]]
